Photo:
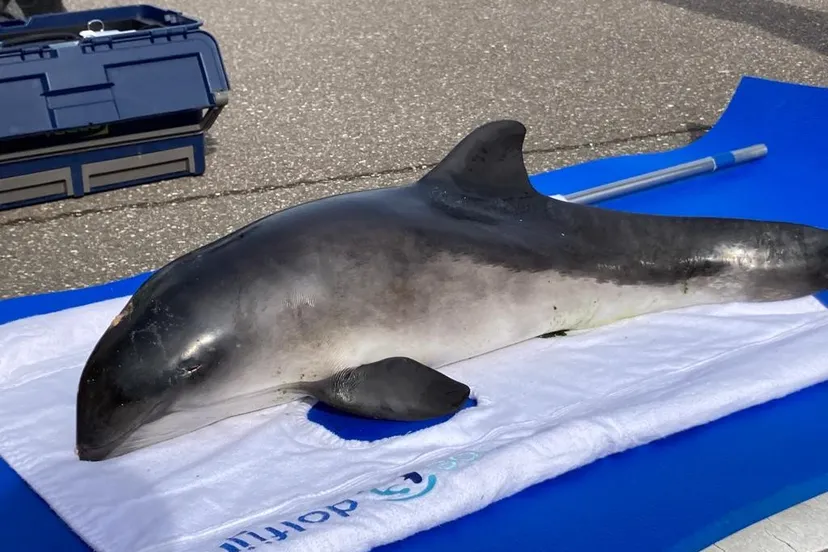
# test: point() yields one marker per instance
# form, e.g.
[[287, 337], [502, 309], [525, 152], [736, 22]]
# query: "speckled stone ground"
[[330, 96]]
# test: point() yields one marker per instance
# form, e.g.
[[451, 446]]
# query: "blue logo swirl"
[[405, 493]]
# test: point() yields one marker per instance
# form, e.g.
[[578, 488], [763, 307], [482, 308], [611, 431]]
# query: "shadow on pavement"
[[803, 26]]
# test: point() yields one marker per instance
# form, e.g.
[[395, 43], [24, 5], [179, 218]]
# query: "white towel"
[[273, 480]]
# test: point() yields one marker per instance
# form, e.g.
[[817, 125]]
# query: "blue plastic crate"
[[81, 114]]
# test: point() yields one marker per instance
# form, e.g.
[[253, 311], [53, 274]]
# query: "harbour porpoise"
[[357, 300]]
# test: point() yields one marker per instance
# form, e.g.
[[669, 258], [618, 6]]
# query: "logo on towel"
[[404, 491], [411, 486]]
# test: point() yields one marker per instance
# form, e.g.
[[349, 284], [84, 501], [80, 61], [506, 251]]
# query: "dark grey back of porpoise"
[[479, 203]]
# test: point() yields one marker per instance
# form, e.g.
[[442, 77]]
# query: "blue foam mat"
[[679, 494]]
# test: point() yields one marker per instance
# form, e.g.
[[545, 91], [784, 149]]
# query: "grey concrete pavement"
[[330, 96]]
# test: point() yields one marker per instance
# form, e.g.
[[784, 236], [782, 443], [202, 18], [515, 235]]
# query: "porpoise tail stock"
[[357, 300]]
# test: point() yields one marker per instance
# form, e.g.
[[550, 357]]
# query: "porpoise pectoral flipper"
[[396, 388]]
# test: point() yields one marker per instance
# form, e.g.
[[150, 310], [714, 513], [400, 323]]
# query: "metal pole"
[[670, 174]]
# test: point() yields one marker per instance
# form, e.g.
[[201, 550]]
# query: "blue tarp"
[[679, 494]]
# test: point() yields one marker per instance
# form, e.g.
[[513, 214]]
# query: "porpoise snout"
[[103, 426], [89, 453], [106, 415]]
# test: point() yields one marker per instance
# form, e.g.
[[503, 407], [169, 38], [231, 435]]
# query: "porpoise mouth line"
[[113, 444]]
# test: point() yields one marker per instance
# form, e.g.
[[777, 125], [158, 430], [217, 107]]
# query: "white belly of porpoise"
[[477, 309]]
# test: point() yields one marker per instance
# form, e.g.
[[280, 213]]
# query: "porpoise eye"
[[198, 362], [189, 370], [198, 356], [192, 371]]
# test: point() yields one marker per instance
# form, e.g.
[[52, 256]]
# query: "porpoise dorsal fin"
[[487, 163]]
